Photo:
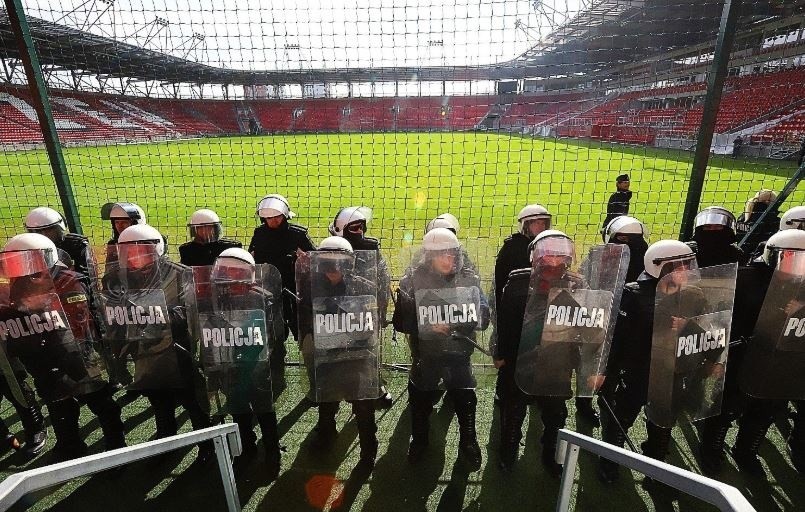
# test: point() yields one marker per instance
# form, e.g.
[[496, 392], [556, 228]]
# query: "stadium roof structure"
[[596, 41]]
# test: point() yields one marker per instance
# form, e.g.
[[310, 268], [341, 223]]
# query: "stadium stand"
[[634, 117]]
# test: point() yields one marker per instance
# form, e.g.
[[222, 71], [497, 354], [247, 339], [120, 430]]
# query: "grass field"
[[484, 179]]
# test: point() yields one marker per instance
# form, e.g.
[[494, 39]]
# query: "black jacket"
[[77, 247], [513, 255], [195, 254], [278, 247], [617, 205]]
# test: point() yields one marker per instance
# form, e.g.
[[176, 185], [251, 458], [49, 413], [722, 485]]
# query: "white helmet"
[[142, 234], [43, 218], [624, 225], [205, 217], [129, 211], [440, 239], [335, 244], [715, 216], [273, 205], [551, 242], [443, 221], [786, 250], [234, 264], [532, 212], [794, 218], [350, 215], [660, 254], [335, 253], [17, 260]]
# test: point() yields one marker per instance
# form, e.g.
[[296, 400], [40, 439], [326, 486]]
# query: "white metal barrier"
[[226, 439], [725, 497]]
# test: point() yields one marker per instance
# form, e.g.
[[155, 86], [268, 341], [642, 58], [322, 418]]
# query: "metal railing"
[[723, 496], [225, 438]]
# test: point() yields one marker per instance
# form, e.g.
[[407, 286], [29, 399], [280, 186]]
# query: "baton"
[[618, 423], [456, 335]]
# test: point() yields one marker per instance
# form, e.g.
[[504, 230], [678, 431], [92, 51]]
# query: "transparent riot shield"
[[47, 326], [239, 319], [449, 309], [692, 318], [339, 324], [568, 325], [774, 362], [144, 307]]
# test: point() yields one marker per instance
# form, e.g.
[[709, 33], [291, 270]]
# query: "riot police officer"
[[551, 254], [759, 322], [206, 232], [630, 355], [278, 242], [714, 238], [633, 233], [352, 223], [337, 287], [441, 344], [47, 221], [121, 216], [241, 305], [51, 337], [160, 341]]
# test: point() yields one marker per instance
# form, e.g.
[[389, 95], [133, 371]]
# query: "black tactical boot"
[[585, 410], [465, 404], [711, 449], [745, 450]]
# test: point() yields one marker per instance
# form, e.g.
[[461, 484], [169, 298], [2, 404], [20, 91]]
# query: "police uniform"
[[58, 364], [770, 226], [248, 386], [342, 371], [77, 247], [511, 313], [756, 415], [278, 247], [197, 254], [365, 243], [170, 376], [629, 363], [617, 205], [459, 382]]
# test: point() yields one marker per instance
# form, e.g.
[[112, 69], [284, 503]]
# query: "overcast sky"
[[293, 34]]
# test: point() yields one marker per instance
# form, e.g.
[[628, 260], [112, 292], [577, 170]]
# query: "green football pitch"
[[484, 179]]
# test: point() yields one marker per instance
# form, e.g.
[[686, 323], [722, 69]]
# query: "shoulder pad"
[[372, 241], [228, 242], [296, 228], [693, 245], [632, 287], [186, 244], [520, 273], [76, 238]]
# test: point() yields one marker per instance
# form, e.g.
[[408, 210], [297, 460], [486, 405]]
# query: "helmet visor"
[[554, 251], [23, 263], [534, 225], [681, 263], [791, 261], [134, 256], [797, 222], [206, 233], [715, 218], [446, 261], [329, 262], [232, 270]]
